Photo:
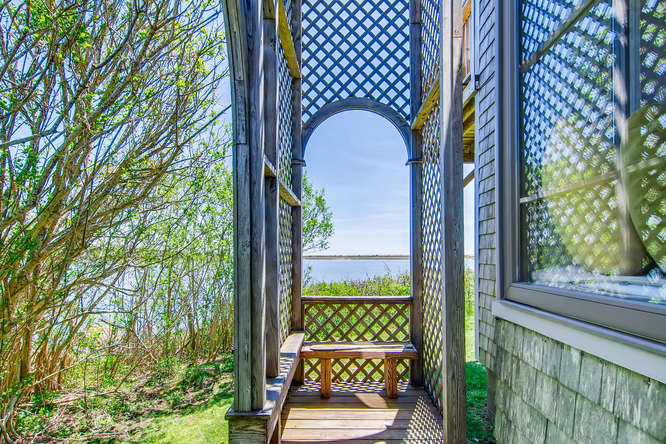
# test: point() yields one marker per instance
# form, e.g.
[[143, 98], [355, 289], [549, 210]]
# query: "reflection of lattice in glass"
[[286, 265], [285, 117], [539, 19], [432, 255], [335, 322], [653, 52], [644, 178], [355, 370], [430, 41], [573, 78], [355, 48]]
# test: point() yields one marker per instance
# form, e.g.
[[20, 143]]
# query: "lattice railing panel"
[[286, 268], [430, 41], [285, 118], [432, 256], [334, 322], [355, 370], [355, 48], [354, 321]]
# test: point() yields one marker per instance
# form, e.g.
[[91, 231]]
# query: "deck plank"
[[360, 418]]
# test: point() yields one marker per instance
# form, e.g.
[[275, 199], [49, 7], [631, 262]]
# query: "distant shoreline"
[[385, 257]]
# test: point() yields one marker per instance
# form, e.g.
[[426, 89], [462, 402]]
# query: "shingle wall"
[[485, 180], [545, 391], [548, 392]]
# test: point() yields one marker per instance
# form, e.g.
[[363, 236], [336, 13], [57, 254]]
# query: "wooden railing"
[[356, 318]]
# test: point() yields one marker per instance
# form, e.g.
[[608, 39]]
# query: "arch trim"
[[357, 103]]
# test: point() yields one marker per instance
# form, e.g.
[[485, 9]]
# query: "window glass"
[[593, 147]]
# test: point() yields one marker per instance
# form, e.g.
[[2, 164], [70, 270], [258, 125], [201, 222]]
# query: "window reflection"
[[593, 147]]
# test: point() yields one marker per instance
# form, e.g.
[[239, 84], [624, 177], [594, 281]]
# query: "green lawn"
[[201, 425]]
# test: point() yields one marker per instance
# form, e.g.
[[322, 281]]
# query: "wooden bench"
[[388, 351]]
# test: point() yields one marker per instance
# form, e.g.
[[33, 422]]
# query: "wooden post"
[[325, 377], [453, 381], [245, 29], [415, 196], [297, 182], [254, 36], [391, 378], [272, 200]]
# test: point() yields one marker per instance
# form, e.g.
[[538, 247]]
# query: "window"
[[585, 176]]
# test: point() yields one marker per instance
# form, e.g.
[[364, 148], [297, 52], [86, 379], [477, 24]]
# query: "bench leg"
[[325, 388], [299, 376], [391, 377]]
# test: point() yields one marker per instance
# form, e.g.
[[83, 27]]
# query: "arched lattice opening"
[[293, 65]]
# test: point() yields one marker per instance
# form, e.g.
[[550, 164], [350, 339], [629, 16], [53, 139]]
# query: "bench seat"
[[388, 351]]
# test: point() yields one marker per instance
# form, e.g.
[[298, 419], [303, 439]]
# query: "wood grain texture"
[[287, 41], [325, 389], [297, 179], [453, 329], [289, 196], [236, 18], [360, 418], [415, 196], [357, 299], [390, 378], [427, 106], [365, 350]]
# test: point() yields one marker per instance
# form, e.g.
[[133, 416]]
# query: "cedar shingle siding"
[[546, 391]]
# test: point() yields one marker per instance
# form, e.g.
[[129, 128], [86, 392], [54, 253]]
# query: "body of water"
[[336, 270]]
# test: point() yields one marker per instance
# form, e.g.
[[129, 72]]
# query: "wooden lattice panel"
[[286, 268], [430, 41], [285, 118], [374, 321], [359, 321], [432, 256], [355, 49], [355, 370]]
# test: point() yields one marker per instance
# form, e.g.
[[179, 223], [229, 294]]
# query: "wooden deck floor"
[[360, 414]]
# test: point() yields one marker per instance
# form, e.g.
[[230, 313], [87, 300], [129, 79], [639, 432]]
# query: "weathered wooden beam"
[[254, 36], [269, 168], [356, 299], [415, 197], [427, 106], [468, 178], [451, 158], [287, 42], [269, 8], [272, 198], [236, 18], [288, 195], [297, 183]]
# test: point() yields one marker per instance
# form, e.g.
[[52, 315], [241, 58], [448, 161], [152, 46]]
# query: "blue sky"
[[359, 159]]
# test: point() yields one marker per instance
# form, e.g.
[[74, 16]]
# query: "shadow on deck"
[[360, 413]]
